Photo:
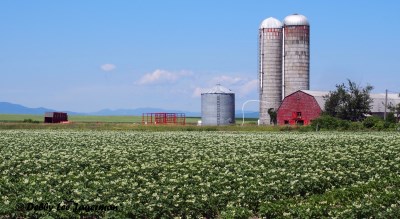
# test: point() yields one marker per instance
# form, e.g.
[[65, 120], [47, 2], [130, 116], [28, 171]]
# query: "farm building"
[[300, 107], [55, 117], [303, 106], [218, 106]]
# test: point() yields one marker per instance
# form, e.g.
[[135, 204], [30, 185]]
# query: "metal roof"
[[319, 97], [378, 104], [218, 89], [271, 23], [295, 20], [378, 100]]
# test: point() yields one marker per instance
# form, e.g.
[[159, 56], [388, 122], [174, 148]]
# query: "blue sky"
[[89, 55]]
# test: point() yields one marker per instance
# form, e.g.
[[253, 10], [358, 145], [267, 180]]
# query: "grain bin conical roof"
[[218, 89]]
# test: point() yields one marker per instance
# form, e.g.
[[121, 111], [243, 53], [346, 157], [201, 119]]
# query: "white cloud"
[[242, 86], [160, 76], [248, 87], [108, 67], [197, 91], [227, 80]]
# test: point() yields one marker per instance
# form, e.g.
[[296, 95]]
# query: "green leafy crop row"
[[120, 174]]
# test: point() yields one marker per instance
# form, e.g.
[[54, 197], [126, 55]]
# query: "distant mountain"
[[140, 111], [11, 108]]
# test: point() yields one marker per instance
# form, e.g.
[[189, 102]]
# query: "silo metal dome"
[[296, 20], [271, 23], [218, 106]]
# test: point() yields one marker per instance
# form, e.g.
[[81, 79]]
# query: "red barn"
[[301, 107]]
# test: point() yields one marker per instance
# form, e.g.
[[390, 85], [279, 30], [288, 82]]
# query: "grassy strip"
[[82, 118], [20, 117], [139, 127]]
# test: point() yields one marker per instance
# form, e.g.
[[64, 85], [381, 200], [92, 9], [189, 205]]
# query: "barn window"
[[298, 114], [286, 122]]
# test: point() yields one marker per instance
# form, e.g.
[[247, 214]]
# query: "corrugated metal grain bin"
[[218, 106]]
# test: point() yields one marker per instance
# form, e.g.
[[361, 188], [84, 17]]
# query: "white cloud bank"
[[227, 80], [248, 87], [198, 91], [108, 67], [162, 76], [240, 86]]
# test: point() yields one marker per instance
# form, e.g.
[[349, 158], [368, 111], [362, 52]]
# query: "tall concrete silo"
[[218, 106], [270, 67], [296, 54]]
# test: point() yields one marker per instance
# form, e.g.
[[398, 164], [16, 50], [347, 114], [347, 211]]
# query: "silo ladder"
[[218, 110]]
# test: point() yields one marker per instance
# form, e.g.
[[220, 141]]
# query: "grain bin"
[[218, 106], [270, 67], [296, 54]]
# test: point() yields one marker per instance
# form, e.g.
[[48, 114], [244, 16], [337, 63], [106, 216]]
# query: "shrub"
[[287, 128], [390, 118], [372, 121], [380, 125], [30, 121], [389, 125], [343, 124], [327, 122], [306, 128], [356, 126]]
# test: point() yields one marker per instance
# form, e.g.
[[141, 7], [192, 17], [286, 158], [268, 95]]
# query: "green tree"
[[395, 110], [272, 115], [349, 102]]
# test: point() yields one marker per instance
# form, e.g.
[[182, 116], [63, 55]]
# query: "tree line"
[[352, 102]]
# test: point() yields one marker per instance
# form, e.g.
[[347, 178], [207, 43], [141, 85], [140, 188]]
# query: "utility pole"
[[384, 115]]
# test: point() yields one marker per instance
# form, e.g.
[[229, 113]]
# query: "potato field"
[[198, 174]]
